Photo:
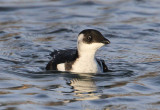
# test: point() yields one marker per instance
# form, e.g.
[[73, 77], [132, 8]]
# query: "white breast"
[[81, 66], [85, 66]]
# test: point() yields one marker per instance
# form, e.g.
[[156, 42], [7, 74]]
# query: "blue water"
[[31, 29]]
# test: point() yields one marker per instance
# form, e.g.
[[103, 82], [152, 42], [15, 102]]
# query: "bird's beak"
[[106, 41]]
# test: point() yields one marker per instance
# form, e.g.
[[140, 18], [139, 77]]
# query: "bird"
[[82, 59]]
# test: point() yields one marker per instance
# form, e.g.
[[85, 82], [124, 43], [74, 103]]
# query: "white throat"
[[87, 54]]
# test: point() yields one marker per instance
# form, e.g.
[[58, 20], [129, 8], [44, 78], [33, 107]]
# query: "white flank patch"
[[61, 67]]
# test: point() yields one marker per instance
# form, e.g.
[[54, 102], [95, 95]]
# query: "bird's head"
[[91, 40]]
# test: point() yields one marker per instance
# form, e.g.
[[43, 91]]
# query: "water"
[[31, 29]]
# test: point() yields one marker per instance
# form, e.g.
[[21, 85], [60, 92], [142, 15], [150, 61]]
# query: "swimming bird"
[[82, 59]]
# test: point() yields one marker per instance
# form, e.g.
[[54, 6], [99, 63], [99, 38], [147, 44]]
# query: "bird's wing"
[[102, 65], [61, 56]]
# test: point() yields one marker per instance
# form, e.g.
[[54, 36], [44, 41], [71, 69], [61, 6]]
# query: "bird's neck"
[[87, 54], [86, 51]]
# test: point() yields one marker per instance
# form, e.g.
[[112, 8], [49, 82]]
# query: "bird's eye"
[[89, 38]]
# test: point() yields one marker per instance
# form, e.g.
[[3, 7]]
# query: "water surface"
[[30, 30]]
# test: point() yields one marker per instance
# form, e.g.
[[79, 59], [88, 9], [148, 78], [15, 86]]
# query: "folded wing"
[[61, 56]]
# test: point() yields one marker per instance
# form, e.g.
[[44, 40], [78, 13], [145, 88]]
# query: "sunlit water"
[[31, 29]]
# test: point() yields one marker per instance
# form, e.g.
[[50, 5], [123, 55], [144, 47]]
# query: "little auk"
[[82, 59]]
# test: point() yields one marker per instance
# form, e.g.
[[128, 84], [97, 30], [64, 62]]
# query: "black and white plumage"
[[82, 59]]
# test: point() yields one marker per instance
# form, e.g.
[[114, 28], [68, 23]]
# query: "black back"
[[61, 56]]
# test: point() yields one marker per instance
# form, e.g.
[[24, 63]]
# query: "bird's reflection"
[[84, 86]]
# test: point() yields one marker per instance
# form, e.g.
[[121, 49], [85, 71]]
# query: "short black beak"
[[106, 41]]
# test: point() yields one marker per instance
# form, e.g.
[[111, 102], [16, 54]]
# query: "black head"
[[93, 36]]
